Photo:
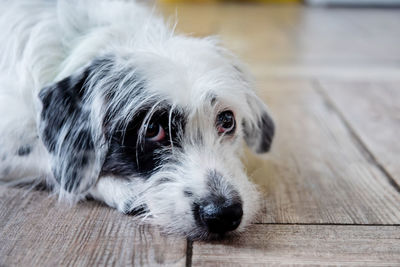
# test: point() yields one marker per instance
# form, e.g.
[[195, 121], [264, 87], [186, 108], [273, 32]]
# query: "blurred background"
[[312, 2], [300, 38]]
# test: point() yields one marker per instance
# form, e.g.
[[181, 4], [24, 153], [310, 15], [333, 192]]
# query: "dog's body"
[[102, 99]]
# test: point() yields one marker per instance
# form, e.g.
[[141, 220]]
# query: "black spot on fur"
[[125, 157], [24, 150], [66, 129], [268, 131], [198, 137], [164, 180], [62, 108], [37, 185], [134, 211], [213, 98], [261, 137], [83, 141], [188, 193]]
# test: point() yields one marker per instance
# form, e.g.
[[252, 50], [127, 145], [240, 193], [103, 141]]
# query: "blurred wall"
[[355, 2], [210, 1]]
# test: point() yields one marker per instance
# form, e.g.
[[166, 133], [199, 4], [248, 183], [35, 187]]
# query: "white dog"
[[102, 99]]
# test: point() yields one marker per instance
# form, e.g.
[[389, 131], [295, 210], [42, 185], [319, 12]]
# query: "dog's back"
[[42, 42]]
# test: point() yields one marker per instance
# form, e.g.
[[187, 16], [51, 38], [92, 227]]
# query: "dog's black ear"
[[259, 128], [71, 135]]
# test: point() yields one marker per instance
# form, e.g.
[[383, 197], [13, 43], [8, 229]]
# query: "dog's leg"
[[22, 159], [118, 193], [22, 155]]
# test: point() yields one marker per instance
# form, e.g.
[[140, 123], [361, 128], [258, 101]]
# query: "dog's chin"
[[198, 232], [204, 235]]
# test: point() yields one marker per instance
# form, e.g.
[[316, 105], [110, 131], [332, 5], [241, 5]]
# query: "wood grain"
[[35, 230], [294, 41], [316, 172], [373, 111], [304, 245]]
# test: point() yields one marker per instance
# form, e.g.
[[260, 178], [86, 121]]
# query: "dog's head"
[[171, 123]]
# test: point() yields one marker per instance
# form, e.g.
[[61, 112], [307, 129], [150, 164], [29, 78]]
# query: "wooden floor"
[[331, 183]]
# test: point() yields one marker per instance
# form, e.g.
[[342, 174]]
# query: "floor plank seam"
[[189, 253], [364, 149]]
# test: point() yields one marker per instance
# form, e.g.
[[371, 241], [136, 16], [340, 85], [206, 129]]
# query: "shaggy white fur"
[[103, 99]]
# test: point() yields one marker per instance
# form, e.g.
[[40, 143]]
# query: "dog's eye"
[[155, 132], [225, 122]]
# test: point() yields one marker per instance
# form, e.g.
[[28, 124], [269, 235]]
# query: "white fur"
[[42, 42]]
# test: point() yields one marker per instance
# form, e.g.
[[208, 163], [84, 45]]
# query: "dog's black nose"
[[221, 218]]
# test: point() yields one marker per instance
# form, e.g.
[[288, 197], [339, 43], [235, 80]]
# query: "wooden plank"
[[373, 111], [35, 230], [304, 245], [259, 33], [316, 172], [295, 41]]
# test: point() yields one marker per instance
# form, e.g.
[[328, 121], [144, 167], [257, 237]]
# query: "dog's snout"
[[221, 219]]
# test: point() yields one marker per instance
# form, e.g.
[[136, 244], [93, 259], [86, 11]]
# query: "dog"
[[102, 99]]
